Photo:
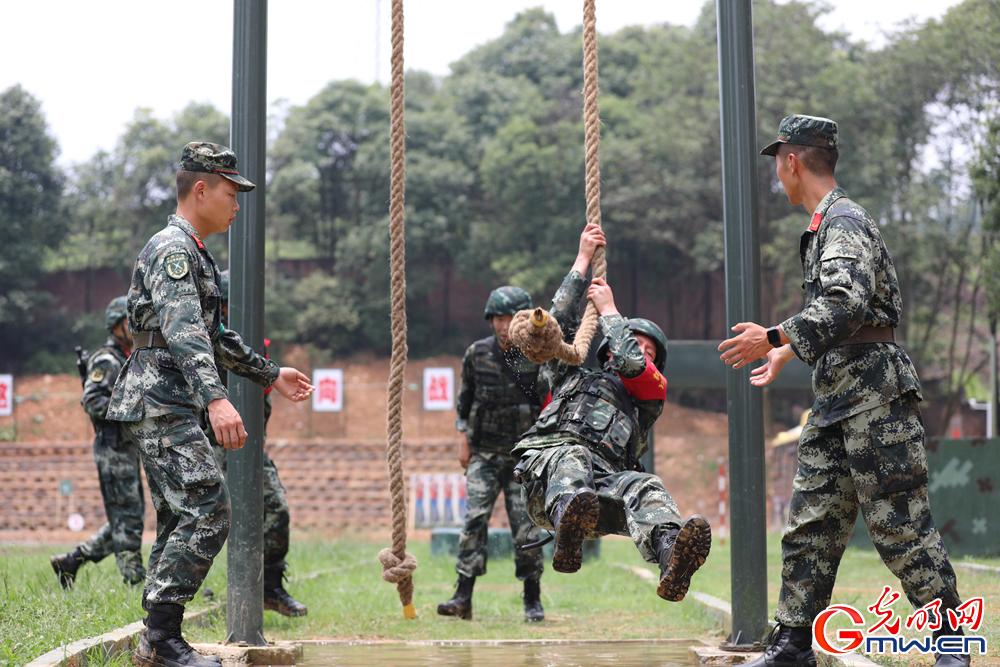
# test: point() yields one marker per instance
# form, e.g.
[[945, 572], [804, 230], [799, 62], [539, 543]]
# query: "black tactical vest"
[[505, 402], [595, 408]]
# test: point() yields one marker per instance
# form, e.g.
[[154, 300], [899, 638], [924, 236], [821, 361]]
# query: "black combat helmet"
[[116, 312], [643, 326], [507, 300]]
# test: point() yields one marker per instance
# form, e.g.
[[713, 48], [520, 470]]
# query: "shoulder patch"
[[97, 374], [177, 265]]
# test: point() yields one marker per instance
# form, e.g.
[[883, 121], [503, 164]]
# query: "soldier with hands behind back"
[[579, 463], [118, 465], [862, 448], [175, 316], [499, 398]]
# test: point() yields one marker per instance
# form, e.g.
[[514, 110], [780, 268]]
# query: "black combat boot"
[[950, 659], [461, 604], [277, 598], [574, 517], [66, 565], [681, 551], [789, 647], [533, 611], [161, 643]]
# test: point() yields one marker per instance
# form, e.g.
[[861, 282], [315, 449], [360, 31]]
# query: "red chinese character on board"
[[438, 390], [328, 390], [4, 401], [886, 614]]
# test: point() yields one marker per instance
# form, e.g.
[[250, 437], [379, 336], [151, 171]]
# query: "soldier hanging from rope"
[[579, 464]]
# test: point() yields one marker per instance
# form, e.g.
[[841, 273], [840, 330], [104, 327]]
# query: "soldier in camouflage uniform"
[[863, 445], [579, 463], [118, 466], [170, 379], [277, 518], [500, 397]]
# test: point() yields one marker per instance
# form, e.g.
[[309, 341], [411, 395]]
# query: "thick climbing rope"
[[535, 332], [397, 565]]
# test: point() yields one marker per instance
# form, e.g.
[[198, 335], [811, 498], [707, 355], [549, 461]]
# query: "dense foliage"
[[495, 190]]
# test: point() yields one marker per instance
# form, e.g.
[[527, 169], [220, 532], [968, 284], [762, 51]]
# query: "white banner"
[[329, 394], [439, 389], [6, 395]]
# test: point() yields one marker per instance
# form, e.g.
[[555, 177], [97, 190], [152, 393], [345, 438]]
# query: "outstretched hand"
[[776, 359], [293, 384], [750, 345]]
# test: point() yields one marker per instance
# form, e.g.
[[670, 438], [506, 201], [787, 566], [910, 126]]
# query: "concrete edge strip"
[[112, 643], [976, 567]]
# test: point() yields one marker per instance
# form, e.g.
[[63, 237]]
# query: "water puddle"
[[502, 654]]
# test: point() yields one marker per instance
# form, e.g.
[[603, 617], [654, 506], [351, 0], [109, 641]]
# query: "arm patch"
[[177, 265]]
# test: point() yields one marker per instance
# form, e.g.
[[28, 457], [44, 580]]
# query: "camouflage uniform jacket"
[[568, 382], [175, 290], [850, 282], [499, 397], [103, 367]]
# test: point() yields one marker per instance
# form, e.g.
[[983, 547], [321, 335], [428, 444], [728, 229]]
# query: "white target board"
[[329, 394]]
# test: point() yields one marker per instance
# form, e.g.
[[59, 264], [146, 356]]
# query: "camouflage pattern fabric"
[[507, 300], [277, 519], [209, 158], [175, 290], [487, 475], [850, 282], [631, 503], [115, 311], [191, 501], [873, 462], [579, 438], [118, 469], [627, 360], [804, 131], [496, 405], [161, 396]]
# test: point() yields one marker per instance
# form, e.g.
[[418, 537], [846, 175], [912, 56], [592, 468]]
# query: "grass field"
[[340, 581]]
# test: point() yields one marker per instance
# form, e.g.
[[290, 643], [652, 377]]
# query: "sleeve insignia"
[[177, 265], [97, 374]]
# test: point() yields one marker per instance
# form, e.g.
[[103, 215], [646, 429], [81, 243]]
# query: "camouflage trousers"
[[191, 501], [487, 475], [276, 516], [874, 462], [120, 474], [631, 503]]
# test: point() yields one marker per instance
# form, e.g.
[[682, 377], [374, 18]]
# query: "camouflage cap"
[[116, 311], [804, 131], [209, 158], [507, 300]]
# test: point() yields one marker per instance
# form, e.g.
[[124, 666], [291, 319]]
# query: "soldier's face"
[[501, 327], [220, 206], [647, 345]]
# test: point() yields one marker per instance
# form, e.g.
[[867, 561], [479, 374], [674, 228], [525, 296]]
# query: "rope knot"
[[395, 570]]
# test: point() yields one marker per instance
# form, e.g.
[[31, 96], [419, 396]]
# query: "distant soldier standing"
[[175, 316], [500, 397], [118, 465], [862, 448], [277, 518]]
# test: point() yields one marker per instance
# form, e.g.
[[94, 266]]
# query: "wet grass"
[[341, 582]]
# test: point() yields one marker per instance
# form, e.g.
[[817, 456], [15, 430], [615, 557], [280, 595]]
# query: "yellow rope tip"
[[409, 612], [539, 317]]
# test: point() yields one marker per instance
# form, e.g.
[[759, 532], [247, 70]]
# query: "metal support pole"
[[743, 304], [245, 585]]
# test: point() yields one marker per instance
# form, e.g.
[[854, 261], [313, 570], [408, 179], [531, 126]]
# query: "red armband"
[[649, 385], [548, 399]]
